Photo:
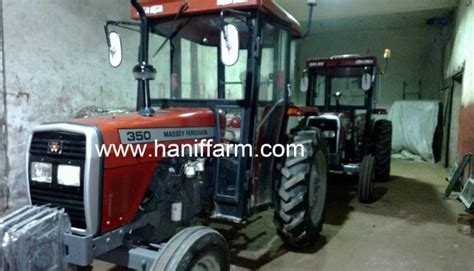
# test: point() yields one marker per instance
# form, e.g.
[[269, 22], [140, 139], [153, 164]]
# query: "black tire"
[[300, 198], [382, 149], [366, 179], [192, 247]]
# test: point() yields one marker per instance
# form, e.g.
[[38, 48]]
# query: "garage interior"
[[55, 66]]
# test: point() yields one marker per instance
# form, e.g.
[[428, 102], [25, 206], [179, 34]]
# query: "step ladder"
[[456, 173]]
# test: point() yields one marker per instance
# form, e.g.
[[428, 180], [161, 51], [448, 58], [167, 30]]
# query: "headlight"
[[41, 172], [69, 175], [329, 134]]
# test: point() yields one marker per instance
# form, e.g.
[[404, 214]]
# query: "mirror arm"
[[311, 5], [223, 25], [385, 68], [121, 24], [234, 13], [106, 30]]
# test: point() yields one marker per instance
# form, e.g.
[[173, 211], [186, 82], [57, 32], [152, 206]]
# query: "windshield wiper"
[[182, 9], [172, 36]]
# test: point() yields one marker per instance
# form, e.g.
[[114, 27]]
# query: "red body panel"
[[125, 179], [301, 111], [352, 61], [157, 9]]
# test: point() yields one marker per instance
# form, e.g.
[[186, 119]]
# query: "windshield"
[[188, 65], [341, 84]]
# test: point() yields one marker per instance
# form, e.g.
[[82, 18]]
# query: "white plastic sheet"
[[32, 239], [414, 125]]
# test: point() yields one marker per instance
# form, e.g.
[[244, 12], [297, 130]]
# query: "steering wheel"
[[338, 95]]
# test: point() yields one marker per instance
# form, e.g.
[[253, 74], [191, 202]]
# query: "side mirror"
[[366, 81], [230, 45], [304, 83], [115, 49]]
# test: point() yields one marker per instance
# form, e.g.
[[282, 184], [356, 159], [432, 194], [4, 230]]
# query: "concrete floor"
[[409, 227]]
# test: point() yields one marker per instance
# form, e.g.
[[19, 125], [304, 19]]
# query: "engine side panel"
[[123, 191]]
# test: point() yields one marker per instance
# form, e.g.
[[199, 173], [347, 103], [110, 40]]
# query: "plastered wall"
[[56, 63], [3, 138], [461, 59]]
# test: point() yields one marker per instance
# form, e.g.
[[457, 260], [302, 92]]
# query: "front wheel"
[[300, 200], [196, 249], [366, 179], [382, 149]]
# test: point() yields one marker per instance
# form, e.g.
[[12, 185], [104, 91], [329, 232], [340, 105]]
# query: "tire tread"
[[292, 192]]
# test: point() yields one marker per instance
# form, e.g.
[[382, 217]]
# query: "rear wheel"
[[382, 149], [366, 179], [197, 249], [301, 192]]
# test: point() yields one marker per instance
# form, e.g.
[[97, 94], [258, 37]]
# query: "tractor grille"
[[72, 203], [73, 145], [72, 152], [327, 125]]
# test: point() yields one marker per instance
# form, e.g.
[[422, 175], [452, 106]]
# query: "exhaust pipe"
[[143, 71]]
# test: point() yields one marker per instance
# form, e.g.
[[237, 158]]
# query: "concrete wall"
[[455, 125], [461, 59], [416, 55], [55, 64], [3, 138]]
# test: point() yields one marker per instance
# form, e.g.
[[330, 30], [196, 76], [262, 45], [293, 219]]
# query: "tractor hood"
[[166, 125], [171, 117]]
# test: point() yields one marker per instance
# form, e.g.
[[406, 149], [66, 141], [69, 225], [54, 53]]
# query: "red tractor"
[[222, 75], [343, 87]]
